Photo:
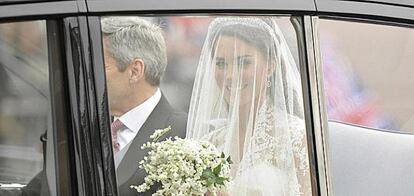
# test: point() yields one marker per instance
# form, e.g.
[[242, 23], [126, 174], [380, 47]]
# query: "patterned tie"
[[115, 127]]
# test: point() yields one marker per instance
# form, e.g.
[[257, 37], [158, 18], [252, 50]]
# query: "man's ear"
[[137, 69]]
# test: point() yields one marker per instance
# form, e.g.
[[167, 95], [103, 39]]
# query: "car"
[[354, 57]]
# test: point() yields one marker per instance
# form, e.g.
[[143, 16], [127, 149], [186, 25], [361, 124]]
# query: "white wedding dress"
[[259, 173]]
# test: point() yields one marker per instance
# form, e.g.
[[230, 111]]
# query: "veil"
[[247, 101]]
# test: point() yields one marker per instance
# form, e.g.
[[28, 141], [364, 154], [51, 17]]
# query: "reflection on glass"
[[24, 100], [238, 79], [368, 81], [369, 84]]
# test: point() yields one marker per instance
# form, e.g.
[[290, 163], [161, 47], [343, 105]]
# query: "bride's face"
[[240, 70]]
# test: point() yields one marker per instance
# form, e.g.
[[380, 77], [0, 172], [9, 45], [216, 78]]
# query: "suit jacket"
[[161, 117], [128, 172]]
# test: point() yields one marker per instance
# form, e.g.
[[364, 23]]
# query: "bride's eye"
[[245, 61], [220, 63]]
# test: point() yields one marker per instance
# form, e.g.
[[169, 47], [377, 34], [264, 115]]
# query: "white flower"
[[159, 132]]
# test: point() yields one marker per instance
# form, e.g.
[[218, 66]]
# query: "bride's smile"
[[233, 88]]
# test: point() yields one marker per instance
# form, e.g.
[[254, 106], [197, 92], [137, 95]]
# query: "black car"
[[356, 65]]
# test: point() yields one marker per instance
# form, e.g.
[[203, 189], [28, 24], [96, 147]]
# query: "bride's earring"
[[268, 83]]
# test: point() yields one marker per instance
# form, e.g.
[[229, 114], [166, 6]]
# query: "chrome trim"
[[366, 9], [11, 186], [318, 108], [322, 108]]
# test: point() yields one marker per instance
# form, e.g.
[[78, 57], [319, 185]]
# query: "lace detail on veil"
[[287, 150]]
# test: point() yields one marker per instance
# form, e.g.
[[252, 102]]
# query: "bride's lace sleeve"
[[300, 150]]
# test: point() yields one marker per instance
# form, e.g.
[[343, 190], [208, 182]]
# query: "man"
[[135, 60]]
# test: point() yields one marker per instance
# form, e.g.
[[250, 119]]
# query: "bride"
[[247, 102]]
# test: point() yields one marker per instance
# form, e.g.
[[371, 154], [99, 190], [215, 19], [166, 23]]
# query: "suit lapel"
[[156, 120]]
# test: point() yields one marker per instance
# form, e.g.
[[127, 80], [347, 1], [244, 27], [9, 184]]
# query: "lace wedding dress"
[[259, 173]]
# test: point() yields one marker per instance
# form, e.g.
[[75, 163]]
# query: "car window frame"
[[306, 56], [296, 8], [368, 10], [378, 12], [68, 171]]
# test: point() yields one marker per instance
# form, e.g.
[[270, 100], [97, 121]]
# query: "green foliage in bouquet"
[[212, 176]]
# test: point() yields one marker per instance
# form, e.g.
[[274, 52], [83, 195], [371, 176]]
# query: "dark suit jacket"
[[161, 117], [128, 172]]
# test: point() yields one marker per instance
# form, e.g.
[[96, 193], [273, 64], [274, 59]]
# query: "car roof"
[[405, 3], [400, 11]]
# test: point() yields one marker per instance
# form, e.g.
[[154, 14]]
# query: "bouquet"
[[183, 167]]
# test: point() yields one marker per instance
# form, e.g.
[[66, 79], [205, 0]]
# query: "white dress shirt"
[[135, 118]]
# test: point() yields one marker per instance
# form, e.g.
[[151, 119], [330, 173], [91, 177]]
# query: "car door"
[[48, 109], [365, 73]]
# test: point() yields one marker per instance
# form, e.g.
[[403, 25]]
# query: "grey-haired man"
[[135, 60]]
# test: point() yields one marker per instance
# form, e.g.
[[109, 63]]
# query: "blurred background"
[[24, 99], [368, 74]]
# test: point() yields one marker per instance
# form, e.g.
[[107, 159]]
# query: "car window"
[[367, 73], [25, 114], [205, 61], [367, 76]]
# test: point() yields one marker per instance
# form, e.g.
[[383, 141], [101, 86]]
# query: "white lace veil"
[[247, 101]]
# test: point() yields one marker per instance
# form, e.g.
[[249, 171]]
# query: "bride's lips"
[[230, 87]]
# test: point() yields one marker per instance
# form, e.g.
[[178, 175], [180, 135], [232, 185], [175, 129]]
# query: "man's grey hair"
[[130, 38]]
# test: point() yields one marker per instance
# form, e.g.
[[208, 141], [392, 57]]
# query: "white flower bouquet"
[[183, 167]]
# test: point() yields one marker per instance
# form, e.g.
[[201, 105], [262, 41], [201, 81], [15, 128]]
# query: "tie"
[[115, 127]]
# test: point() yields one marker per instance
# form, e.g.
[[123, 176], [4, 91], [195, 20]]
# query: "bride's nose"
[[232, 74]]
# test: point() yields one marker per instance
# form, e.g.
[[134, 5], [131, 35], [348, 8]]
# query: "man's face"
[[117, 82]]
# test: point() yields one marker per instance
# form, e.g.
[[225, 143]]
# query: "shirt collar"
[[135, 118]]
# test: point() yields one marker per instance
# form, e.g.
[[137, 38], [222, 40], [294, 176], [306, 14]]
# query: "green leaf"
[[217, 170], [220, 180], [229, 160], [222, 155], [209, 177], [210, 182], [207, 173]]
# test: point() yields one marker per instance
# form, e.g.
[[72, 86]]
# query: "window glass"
[[368, 74], [24, 102], [367, 70], [232, 81]]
